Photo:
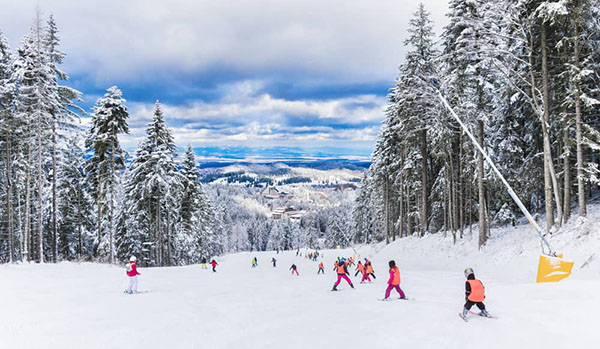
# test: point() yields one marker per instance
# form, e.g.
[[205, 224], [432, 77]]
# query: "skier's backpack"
[[128, 267]]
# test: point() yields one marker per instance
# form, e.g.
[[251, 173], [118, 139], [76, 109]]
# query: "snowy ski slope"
[[71, 305]]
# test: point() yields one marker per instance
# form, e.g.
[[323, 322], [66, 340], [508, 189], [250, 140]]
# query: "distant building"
[[287, 212], [272, 193]]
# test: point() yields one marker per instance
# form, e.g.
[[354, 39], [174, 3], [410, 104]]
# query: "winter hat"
[[392, 263], [468, 272], [132, 259]]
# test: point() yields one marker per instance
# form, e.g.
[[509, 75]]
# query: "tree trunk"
[[550, 181], [386, 200], [28, 233], [40, 213], [461, 213], [480, 174], [168, 239], [9, 199], [54, 220], [401, 204], [158, 237], [99, 214], [582, 209], [424, 219], [470, 189], [567, 175], [111, 204]]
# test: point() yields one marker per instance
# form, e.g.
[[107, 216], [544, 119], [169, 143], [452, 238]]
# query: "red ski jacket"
[[133, 271]]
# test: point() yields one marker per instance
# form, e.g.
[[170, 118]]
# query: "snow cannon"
[[553, 268]]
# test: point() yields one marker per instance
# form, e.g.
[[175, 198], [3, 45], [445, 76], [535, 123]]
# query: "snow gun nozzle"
[[553, 268]]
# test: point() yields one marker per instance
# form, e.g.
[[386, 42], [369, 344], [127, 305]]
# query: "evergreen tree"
[[75, 220], [107, 160], [153, 188]]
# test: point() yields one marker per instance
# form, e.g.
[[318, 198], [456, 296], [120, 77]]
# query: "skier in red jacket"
[[214, 264], [132, 273]]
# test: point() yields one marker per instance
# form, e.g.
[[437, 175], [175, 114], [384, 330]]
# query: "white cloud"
[[116, 40], [262, 119]]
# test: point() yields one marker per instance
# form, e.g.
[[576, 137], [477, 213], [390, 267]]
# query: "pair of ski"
[[136, 292], [466, 319]]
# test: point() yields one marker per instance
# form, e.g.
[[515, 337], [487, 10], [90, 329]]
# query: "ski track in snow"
[[71, 305]]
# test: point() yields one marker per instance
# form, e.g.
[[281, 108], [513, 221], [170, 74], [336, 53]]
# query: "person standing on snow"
[[359, 268], [132, 273], [342, 273], [321, 269], [475, 294], [203, 263], [394, 281], [365, 275], [214, 265], [294, 269], [274, 261], [369, 268]]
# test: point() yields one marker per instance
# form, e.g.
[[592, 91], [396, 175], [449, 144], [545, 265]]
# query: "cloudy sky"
[[246, 78]]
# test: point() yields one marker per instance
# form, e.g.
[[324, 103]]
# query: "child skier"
[[359, 268], [365, 276], [321, 269], [214, 265], [342, 273], [274, 261], [475, 294], [294, 269], [394, 281], [204, 263], [132, 273], [369, 268]]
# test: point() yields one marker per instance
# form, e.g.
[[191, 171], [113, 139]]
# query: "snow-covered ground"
[[82, 305]]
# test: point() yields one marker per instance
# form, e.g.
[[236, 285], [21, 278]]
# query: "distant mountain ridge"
[[320, 173]]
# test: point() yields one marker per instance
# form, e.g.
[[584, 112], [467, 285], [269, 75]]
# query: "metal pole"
[[491, 163]]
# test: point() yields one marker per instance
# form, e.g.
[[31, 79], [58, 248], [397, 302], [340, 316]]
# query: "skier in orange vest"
[[369, 269], [359, 268], [342, 273], [475, 294], [394, 281], [321, 269], [365, 275]]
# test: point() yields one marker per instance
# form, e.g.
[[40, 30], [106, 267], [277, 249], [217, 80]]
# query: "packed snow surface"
[[70, 305]]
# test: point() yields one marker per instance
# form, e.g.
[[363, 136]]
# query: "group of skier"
[[474, 289], [366, 270]]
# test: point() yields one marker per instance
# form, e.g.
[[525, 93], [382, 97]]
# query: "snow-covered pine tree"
[[192, 240], [401, 157], [75, 209], [106, 161], [63, 115], [7, 142], [469, 79], [153, 188], [38, 98]]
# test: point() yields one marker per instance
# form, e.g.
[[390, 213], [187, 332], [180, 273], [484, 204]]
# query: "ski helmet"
[[469, 271], [132, 259]]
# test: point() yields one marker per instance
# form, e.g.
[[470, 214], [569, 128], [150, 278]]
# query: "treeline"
[[68, 193], [524, 76]]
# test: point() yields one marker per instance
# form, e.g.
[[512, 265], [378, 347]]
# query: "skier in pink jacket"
[[132, 273]]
